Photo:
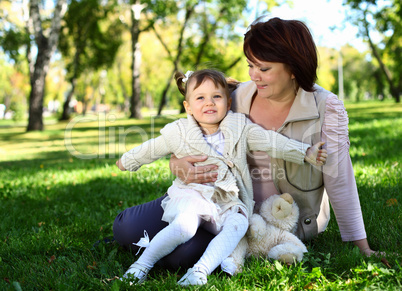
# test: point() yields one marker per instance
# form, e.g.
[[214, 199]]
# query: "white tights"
[[224, 243], [183, 228]]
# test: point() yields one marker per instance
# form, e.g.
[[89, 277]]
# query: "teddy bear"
[[270, 235]]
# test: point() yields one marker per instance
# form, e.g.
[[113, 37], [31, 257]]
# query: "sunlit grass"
[[88, 137], [60, 192]]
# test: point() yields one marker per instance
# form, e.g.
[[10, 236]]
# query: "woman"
[[281, 96], [224, 206]]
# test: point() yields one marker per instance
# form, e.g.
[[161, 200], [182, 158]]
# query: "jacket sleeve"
[[145, 153], [275, 144], [339, 179]]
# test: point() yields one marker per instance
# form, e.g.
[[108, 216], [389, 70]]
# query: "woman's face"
[[273, 80]]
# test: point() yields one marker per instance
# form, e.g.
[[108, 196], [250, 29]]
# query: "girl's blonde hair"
[[217, 77]]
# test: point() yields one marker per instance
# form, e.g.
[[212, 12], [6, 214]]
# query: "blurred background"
[[60, 59]]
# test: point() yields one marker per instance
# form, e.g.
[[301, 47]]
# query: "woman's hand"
[[120, 165], [365, 248], [185, 170]]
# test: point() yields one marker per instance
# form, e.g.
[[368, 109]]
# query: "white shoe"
[[194, 276], [228, 266], [137, 272]]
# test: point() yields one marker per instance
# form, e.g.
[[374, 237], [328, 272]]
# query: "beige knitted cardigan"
[[183, 137]]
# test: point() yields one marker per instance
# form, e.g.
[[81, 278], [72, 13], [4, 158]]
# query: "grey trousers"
[[129, 226]]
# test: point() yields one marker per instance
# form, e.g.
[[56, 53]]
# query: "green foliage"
[[12, 41], [13, 35], [384, 18], [14, 84], [54, 205], [358, 75], [99, 32], [89, 38], [19, 111], [209, 33]]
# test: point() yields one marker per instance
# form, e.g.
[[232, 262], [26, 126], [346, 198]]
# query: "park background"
[[81, 82]]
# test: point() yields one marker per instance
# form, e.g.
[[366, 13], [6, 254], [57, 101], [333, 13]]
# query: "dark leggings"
[[129, 226]]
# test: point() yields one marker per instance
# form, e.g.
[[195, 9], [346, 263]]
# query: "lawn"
[[60, 192]]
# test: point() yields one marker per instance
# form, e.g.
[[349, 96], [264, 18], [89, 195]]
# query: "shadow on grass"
[[85, 142], [376, 142], [58, 213], [54, 204], [58, 207], [56, 160]]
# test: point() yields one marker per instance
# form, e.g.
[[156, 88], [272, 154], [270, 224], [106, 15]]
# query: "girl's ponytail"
[[179, 76]]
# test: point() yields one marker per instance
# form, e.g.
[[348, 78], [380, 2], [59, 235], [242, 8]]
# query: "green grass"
[[60, 192]]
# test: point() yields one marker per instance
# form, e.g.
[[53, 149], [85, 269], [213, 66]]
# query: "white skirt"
[[198, 201]]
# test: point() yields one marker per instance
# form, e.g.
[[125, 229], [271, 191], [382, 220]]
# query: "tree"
[[158, 9], [189, 9], [14, 74], [13, 87], [46, 46], [327, 63], [13, 38], [385, 19], [197, 32], [203, 37], [357, 73], [14, 33], [89, 39]]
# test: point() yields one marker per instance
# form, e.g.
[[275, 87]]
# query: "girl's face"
[[273, 80], [208, 104]]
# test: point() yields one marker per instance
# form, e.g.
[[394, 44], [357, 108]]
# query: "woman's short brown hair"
[[284, 41]]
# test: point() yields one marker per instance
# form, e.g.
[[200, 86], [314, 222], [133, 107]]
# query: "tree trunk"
[[73, 80], [164, 93], [28, 30], [126, 103], [46, 47], [35, 121], [189, 12], [395, 90], [66, 106], [135, 109]]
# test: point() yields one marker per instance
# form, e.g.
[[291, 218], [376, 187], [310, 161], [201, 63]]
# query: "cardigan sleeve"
[[145, 153], [275, 144], [339, 179]]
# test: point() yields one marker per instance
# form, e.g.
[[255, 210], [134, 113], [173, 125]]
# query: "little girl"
[[222, 207]]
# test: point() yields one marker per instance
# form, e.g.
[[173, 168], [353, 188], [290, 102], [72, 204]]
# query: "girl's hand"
[[120, 165], [185, 170], [315, 155]]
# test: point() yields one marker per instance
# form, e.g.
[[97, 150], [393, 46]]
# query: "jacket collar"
[[194, 136], [304, 106], [231, 127]]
